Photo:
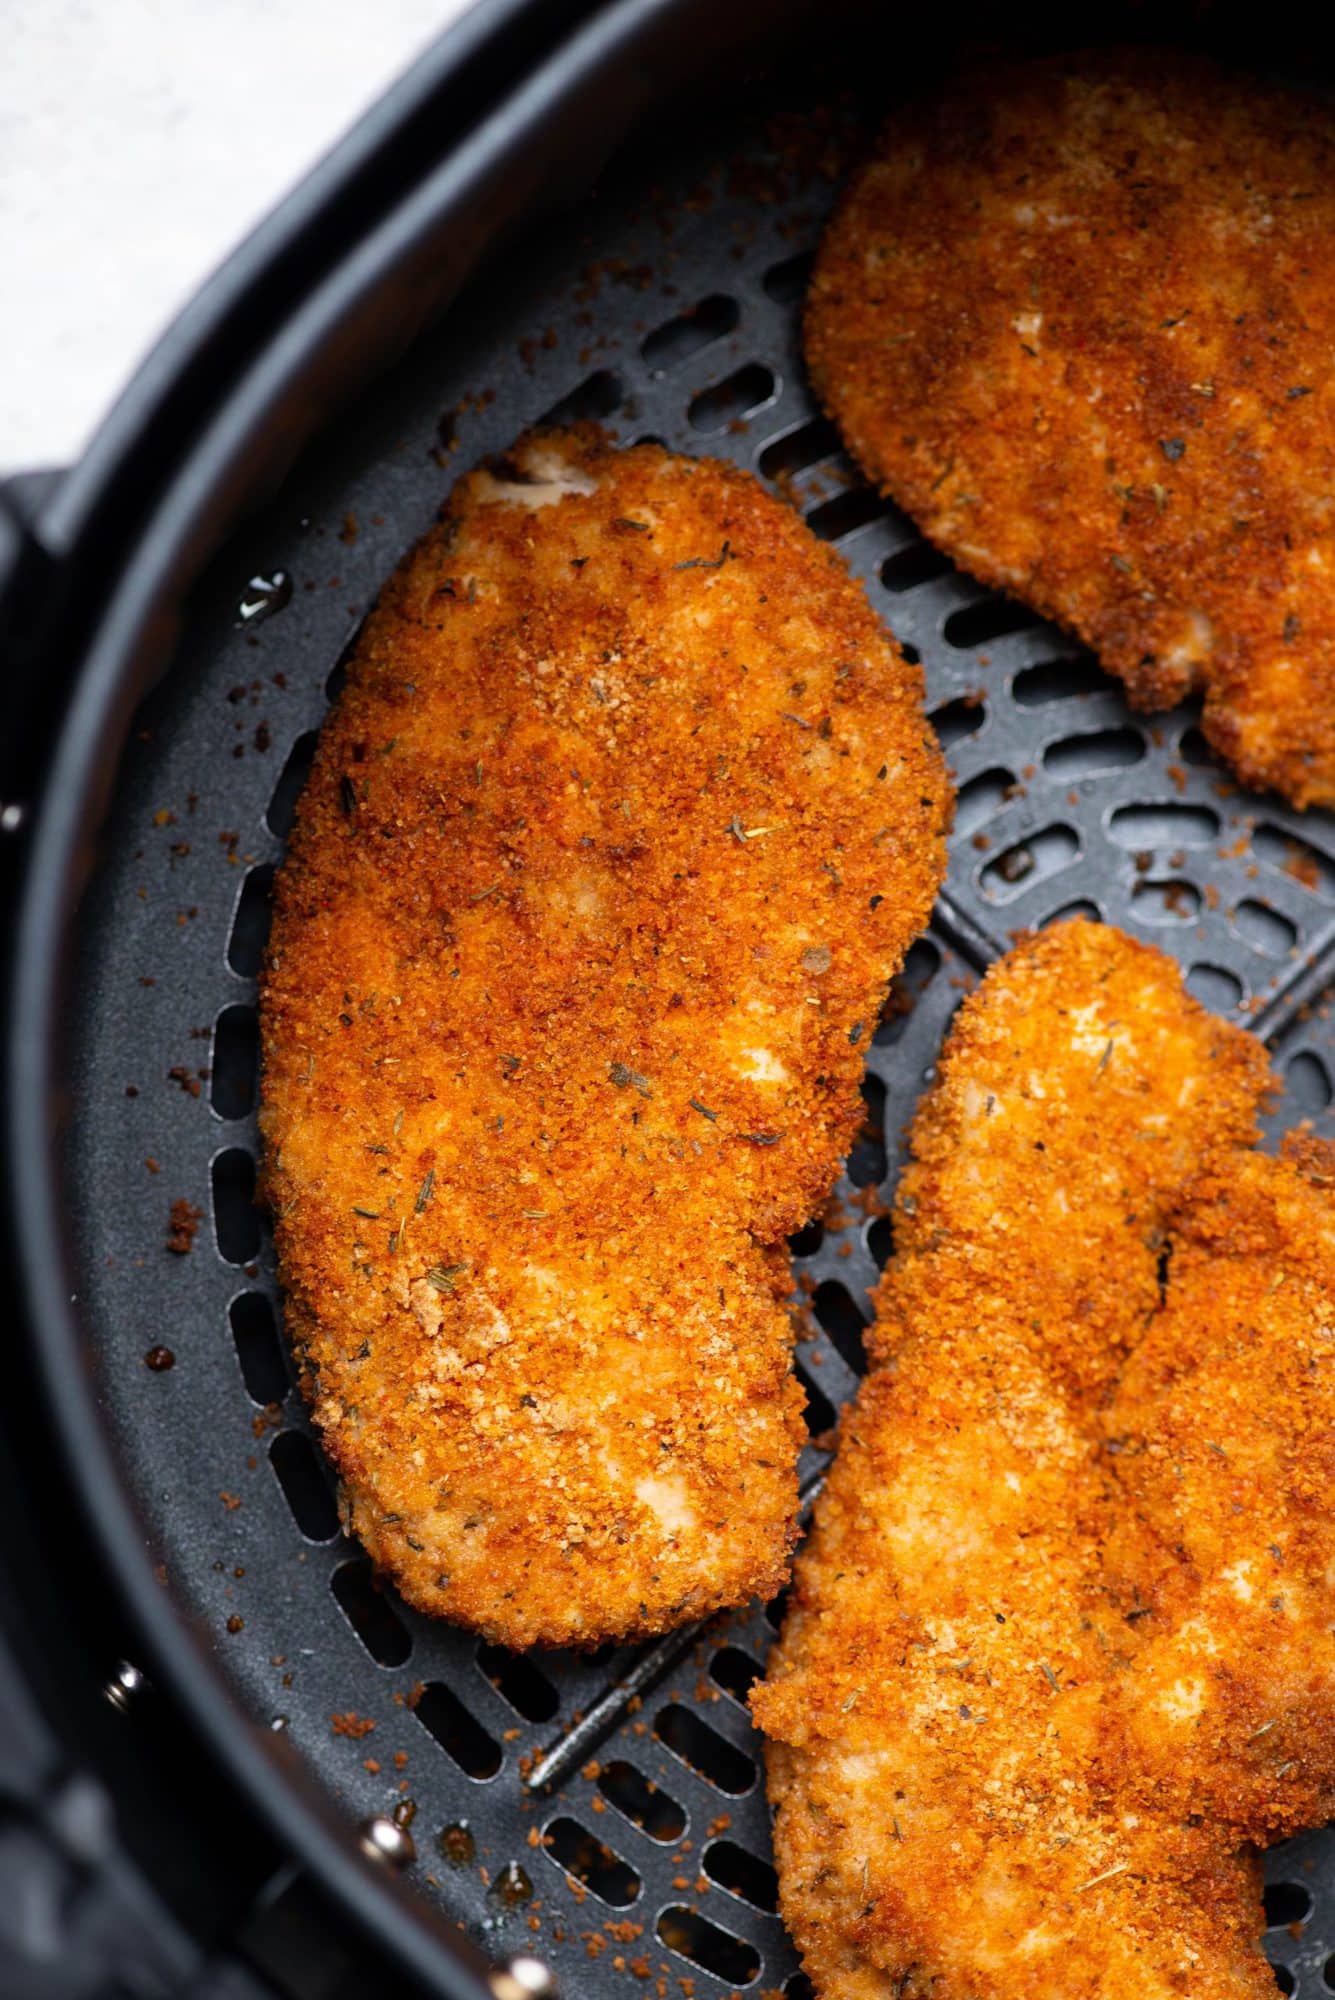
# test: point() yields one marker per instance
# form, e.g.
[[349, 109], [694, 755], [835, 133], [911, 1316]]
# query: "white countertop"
[[139, 142]]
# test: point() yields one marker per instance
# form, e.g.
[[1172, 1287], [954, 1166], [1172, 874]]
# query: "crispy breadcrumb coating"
[[626, 817], [1076, 316], [1222, 1435], [936, 1704]]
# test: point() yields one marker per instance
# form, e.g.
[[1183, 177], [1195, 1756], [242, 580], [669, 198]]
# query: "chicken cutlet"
[[1222, 1435], [935, 1705], [623, 822], [1076, 317]]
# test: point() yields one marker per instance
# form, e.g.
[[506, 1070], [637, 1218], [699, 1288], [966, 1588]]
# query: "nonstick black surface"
[[607, 1812]]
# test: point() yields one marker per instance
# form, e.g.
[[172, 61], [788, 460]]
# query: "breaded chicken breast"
[[935, 1707], [1077, 317], [1222, 1437], [623, 822]]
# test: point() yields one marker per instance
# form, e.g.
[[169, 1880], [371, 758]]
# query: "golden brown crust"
[[938, 1749], [624, 820], [1077, 317], [1223, 1439]]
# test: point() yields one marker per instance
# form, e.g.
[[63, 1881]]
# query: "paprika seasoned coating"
[[623, 822], [1222, 1437], [935, 1707], [1077, 316]]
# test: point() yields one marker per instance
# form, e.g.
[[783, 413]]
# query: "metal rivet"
[[11, 818], [124, 1685], [523, 1978], [383, 1841]]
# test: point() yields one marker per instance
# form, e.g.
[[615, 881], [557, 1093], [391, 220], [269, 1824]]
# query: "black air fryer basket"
[[230, 1761]]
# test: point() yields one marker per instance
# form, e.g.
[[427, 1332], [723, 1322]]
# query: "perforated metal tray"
[[607, 1811]]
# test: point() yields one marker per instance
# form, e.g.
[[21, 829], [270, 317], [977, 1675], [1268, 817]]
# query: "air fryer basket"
[[606, 1813]]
